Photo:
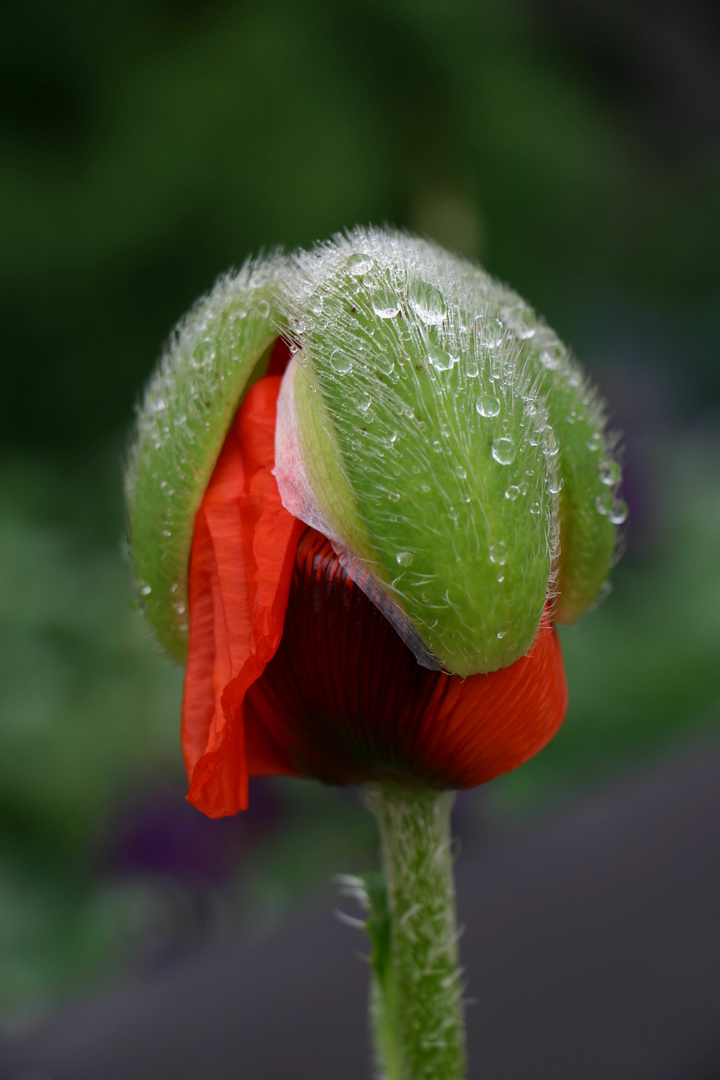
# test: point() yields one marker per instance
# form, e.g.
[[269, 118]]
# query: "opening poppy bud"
[[372, 417]]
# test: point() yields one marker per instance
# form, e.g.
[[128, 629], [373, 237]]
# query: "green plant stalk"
[[416, 1001]]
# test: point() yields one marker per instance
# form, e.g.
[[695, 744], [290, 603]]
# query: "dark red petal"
[[241, 566], [279, 357], [348, 702]]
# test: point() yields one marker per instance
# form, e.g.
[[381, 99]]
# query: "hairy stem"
[[417, 1005]]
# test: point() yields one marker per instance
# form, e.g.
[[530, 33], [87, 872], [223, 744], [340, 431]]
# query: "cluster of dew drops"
[[518, 322], [428, 304], [553, 357]]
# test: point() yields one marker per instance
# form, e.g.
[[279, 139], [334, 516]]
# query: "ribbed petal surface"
[[348, 702]]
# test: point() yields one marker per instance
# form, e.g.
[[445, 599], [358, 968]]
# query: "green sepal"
[[589, 509], [431, 430], [211, 360]]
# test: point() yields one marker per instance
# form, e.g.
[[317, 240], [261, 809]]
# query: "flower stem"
[[416, 1002]]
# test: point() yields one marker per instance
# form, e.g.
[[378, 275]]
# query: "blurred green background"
[[147, 146]]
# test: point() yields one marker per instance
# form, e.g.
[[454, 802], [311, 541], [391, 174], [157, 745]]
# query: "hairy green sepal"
[[432, 430], [589, 510], [453, 445], [212, 358]]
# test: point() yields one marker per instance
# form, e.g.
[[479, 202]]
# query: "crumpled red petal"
[[241, 566]]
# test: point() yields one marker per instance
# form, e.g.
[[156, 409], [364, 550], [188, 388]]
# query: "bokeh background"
[[573, 146]]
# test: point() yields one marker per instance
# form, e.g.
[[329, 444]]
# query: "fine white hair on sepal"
[[418, 366], [211, 357]]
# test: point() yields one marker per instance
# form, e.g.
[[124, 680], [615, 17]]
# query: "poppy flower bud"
[[374, 416]]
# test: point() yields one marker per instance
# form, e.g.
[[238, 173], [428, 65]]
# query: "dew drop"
[[534, 438], [359, 264], [340, 362], [512, 492], [535, 508], [555, 484], [146, 590], [496, 367], [609, 473], [263, 309], [550, 448], [521, 320], [488, 405], [594, 443], [619, 512], [490, 332], [604, 503], [427, 303], [504, 450], [499, 553], [404, 558], [439, 358], [460, 471], [394, 496], [385, 303], [364, 402], [551, 358], [501, 633], [315, 304]]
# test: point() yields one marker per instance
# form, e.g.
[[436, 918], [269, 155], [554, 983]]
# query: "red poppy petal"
[[348, 702], [279, 358], [480, 727], [241, 565]]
